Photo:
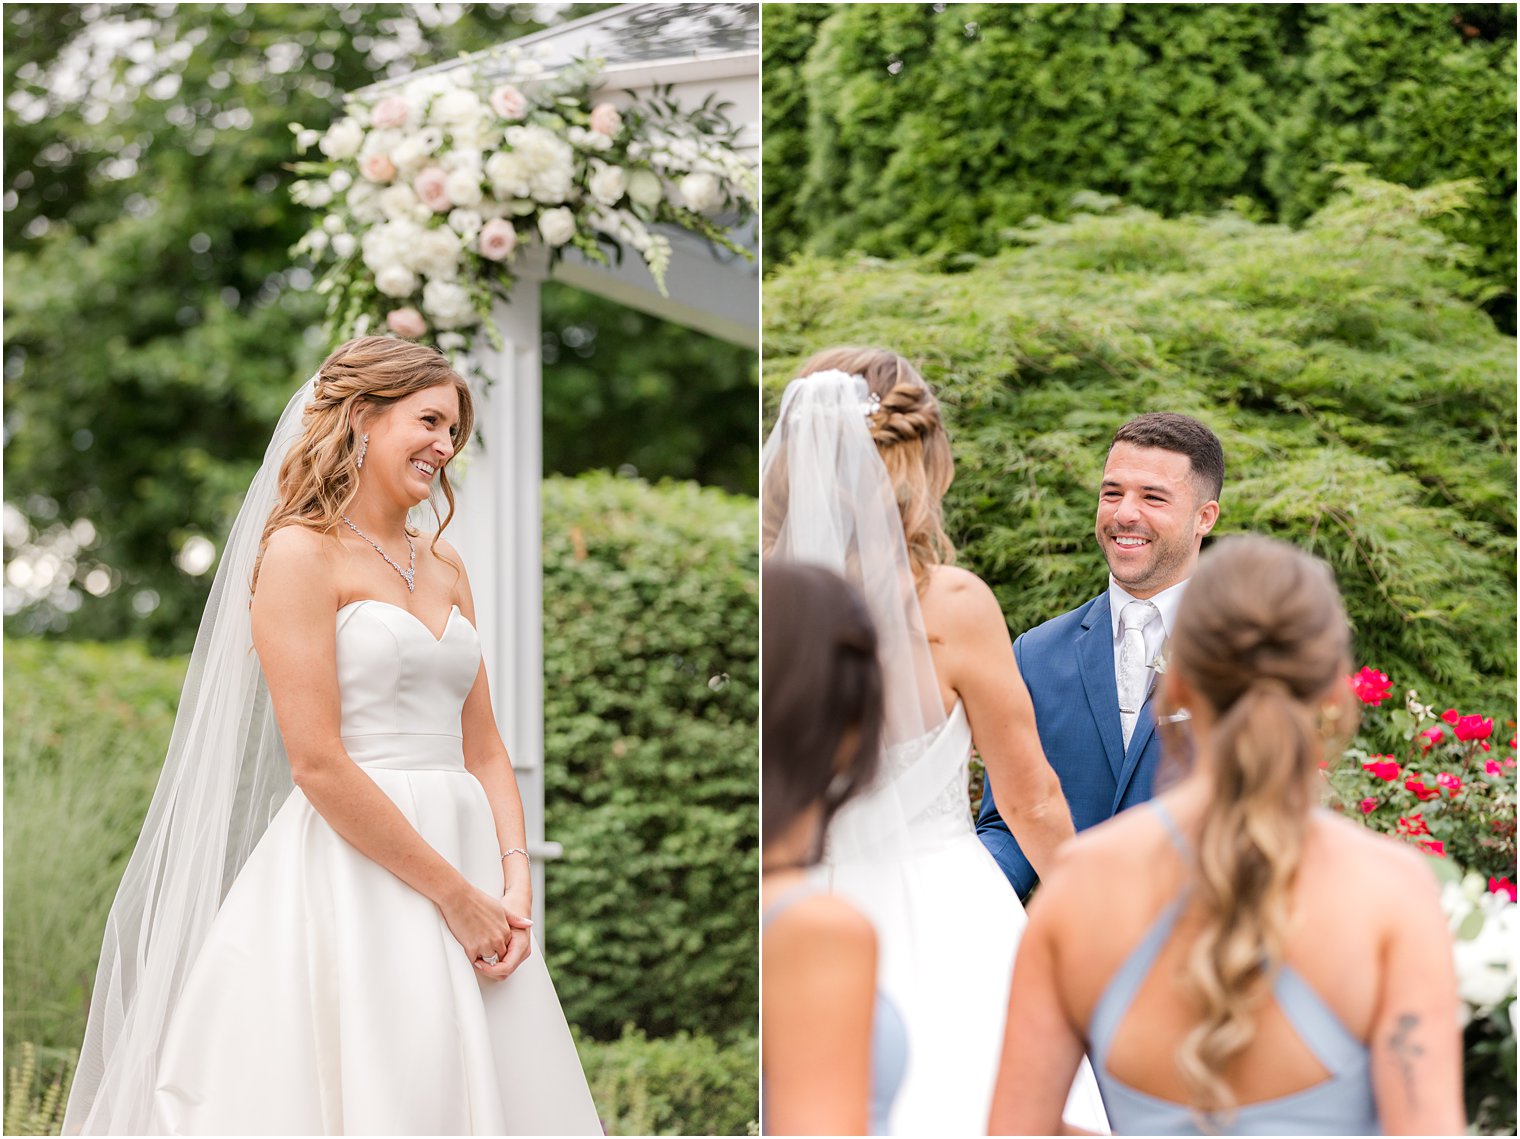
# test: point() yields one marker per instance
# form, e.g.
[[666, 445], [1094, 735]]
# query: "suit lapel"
[[1145, 728], [1095, 655]]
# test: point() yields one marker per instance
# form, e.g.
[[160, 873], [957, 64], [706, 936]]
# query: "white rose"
[[582, 139], [466, 223], [396, 281], [457, 106], [448, 304], [381, 141], [700, 192], [540, 165], [463, 187], [607, 183], [342, 139], [437, 253], [645, 189], [557, 226], [344, 244], [410, 155], [400, 201], [461, 158], [364, 203]]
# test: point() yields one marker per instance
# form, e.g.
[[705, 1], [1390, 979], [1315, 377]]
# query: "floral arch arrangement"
[[432, 193]]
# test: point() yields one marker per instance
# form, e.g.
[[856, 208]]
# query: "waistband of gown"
[[420, 751]]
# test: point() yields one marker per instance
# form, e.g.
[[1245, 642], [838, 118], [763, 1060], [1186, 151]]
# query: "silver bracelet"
[[517, 850]]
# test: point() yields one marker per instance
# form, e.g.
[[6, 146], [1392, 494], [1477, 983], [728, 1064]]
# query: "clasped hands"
[[487, 927]]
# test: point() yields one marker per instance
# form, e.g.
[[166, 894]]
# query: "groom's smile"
[[1149, 524]]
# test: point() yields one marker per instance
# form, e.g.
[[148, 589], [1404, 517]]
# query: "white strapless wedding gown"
[[330, 997], [948, 925]]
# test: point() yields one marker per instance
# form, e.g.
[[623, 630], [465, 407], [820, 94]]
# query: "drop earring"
[[363, 447]]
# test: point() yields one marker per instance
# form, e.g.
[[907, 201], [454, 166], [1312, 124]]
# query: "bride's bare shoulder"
[[956, 594], [296, 543]]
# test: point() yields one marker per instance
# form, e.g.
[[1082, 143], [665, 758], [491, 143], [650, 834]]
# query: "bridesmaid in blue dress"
[[1234, 959], [835, 1048]]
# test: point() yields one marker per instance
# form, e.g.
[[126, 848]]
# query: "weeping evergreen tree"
[[1365, 402]]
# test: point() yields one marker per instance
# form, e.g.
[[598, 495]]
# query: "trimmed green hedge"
[[651, 651], [908, 129], [652, 777], [1367, 411]]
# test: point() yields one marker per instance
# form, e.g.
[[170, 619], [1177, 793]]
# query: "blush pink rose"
[[406, 322], [432, 186], [377, 167], [508, 102], [605, 119], [497, 239], [392, 111]]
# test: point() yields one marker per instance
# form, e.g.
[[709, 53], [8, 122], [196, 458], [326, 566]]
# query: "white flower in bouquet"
[[344, 244], [607, 183], [450, 341], [437, 253], [377, 168], [448, 304], [411, 154], [456, 107], [342, 139], [462, 158], [396, 281], [315, 241], [400, 203], [463, 186], [508, 102], [466, 223], [340, 180], [333, 223], [381, 142], [1484, 929], [582, 139], [364, 204], [306, 138], [497, 239], [393, 111], [701, 192], [407, 322], [540, 166], [421, 89], [557, 226], [645, 189], [314, 195], [432, 187]]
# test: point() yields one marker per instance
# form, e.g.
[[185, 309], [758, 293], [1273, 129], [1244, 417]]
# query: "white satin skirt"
[[330, 998]]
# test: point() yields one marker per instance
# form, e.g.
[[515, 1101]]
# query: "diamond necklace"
[[407, 575]]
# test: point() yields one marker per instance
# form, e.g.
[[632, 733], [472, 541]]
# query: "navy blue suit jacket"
[[1068, 665]]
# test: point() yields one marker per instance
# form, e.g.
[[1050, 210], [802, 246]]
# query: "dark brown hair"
[[820, 682], [1184, 435]]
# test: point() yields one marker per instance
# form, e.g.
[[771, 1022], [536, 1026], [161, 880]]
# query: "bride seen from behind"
[[853, 478], [323, 928]]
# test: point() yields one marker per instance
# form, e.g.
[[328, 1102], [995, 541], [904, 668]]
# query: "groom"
[[1090, 671]]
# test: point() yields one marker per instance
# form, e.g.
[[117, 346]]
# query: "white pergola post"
[[500, 531]]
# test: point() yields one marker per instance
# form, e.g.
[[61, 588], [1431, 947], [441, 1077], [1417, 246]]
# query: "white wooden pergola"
[[693, 51]]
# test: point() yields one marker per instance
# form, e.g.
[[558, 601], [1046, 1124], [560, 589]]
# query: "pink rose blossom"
[[377, 167], [1473, 728], [1492, 768], [1371, 686], [392, 111], [1433, 846], [432, 186], [1449, 781], [1451, 716], [406, 322], [508, 102], [605, 119], [1430, 737], [1385, 767], [1420, 791], [1502, 886], [1368, 806], [497, 239]]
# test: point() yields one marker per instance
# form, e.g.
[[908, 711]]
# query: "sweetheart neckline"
[[437, 638]]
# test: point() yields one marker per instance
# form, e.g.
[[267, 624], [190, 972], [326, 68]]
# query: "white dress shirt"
[[1156, 633]]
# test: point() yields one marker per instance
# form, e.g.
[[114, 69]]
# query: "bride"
[[852, 478], [323, 928]]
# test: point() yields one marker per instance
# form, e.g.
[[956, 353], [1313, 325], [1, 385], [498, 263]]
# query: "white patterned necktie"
[[1133, 670]]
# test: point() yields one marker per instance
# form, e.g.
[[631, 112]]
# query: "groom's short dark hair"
[[1168, 431]]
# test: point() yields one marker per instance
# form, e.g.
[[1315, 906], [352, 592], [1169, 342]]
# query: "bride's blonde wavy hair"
[[1262, 638], [911, 439], [320, 475]]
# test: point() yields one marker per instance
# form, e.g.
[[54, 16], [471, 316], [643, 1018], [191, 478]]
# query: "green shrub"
[[650, 594], [680, 1085], [651, 681], [902, 130], [1367, 411]]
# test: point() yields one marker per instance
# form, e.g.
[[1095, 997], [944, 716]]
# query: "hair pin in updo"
[[871, 406]]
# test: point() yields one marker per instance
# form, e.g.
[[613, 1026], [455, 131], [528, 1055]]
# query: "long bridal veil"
[[224, 777], [826, 498]]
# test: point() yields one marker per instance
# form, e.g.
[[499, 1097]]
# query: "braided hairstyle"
[[320, 475], [911, 438], [1262, 639]]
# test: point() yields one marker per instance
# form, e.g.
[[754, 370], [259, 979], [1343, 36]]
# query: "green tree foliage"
[[1366, 409], [156, 323], [652, 678], [651, 702], [901, 130]]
